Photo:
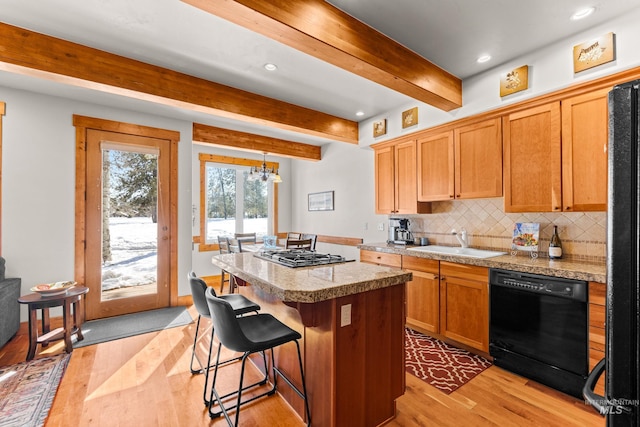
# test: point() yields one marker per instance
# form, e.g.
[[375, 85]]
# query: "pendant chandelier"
[[264, 173]]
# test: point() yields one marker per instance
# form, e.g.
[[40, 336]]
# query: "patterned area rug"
[[445, 367], [27, 390]]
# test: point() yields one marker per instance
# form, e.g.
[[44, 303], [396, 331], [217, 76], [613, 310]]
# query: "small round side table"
[[70, 325]]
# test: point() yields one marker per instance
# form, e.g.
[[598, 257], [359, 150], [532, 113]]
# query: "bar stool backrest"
[[198, 288], [226, 324]]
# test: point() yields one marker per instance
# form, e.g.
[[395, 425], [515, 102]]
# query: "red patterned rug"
[[27, 390], [445, 367]]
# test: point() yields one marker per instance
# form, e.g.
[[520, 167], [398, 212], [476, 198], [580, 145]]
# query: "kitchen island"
[[351, 317]]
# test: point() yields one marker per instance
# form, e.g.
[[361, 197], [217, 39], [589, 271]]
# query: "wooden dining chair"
[[235, 246], [293, 236], [298, 244], [313, 237]]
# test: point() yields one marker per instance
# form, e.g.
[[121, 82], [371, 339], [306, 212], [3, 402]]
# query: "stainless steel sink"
[[452, 250]]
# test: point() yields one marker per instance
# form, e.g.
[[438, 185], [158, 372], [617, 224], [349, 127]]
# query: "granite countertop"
[[570, 269], [310, 284]]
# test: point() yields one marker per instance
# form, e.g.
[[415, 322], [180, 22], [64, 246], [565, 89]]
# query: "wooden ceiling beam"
[[252, 142], [30, 53], [319, 29]]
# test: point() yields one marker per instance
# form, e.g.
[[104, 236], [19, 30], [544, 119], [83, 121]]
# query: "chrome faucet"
[[462, 237]]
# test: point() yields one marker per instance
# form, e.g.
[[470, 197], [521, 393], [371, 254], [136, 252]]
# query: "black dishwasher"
[[538, 328]]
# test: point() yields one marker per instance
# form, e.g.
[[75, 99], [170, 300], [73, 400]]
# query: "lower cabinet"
[[423, 294], [381, 258], [464, 304], [450, 300]]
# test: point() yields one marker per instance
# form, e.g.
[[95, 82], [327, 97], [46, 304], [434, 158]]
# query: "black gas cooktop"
[[299, 257]]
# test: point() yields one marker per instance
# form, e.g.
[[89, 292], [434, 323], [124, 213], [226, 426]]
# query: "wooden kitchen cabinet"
[[532, 166], [464, 163], [464, 304], [555, 156], [585, 134], [597, 303], [396, 179], [423, 294]]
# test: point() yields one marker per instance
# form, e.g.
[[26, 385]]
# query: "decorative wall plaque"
[[593, 53], [379, 128], [410, 117], [514, 81]]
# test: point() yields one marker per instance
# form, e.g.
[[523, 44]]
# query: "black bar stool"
[[248, 335], [239, 304]]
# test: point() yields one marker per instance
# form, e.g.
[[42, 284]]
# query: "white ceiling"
[[172, 34]]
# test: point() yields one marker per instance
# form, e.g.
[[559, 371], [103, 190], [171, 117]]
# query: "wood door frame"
[[82, 125]]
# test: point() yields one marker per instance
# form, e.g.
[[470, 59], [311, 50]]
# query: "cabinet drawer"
[[420, 264], [469, 272], [391, 260], [596, 315]]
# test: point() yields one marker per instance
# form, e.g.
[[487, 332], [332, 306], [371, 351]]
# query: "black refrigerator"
[[621, 364]]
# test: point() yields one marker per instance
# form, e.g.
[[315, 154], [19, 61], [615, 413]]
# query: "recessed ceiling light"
[[582, 13], [483, 59], [270, 67], [360, 113]]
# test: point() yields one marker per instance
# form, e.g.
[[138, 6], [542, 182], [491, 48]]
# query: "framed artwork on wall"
[[514, 81], [379, 128], [410, 117], [593, 53], [321, 201]]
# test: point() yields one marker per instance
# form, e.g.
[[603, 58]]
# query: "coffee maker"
[[399, 233]]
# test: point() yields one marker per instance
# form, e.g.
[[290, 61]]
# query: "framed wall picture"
[[593, 53], [321, 201], [514, 81], [379, 128], [410, 118]]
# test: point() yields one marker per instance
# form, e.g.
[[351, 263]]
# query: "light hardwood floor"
[[145, 381]]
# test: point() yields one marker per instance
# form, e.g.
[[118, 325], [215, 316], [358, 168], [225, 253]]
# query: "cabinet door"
[[406, 192], [585, 135], [478, 160], [532, 169], [436, 167], [464, 304], [423, 301], [384, 175]]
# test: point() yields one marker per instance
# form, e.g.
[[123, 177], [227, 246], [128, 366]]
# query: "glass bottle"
[[555, 246]]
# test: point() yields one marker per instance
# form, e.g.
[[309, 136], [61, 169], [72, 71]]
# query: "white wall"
[[550, 69], [38, 185], [347, 170], [201, 261]]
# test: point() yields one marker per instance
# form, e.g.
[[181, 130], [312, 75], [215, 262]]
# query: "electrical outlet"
[[381, 226], [345, 315]]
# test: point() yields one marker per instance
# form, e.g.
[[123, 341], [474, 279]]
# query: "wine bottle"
[[555, 246]]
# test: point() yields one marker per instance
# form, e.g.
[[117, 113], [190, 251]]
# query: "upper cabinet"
[[555, 156], [395, 175], [464, 163], [532, 167], [585, 135]]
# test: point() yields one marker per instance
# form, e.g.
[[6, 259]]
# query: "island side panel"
[[386, 345]]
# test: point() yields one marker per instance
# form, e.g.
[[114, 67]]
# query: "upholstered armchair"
[[9, 306]]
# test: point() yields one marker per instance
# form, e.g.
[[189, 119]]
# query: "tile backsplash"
[[583, 234]]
